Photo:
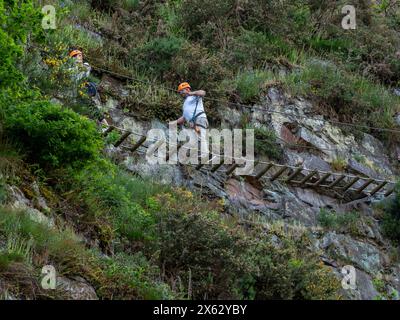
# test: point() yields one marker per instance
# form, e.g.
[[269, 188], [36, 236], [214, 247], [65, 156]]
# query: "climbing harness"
[[193, 121]]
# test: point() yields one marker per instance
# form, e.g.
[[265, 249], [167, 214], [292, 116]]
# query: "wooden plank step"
[[294, 174], [336, 182], [278, 174], [122, 139], [108, 130], [350, 184], [365, 185], [217, 166], [378, 188], [264, 171], [138, 144], [322, 179], [389, 192], [308, 177], [231, 169]]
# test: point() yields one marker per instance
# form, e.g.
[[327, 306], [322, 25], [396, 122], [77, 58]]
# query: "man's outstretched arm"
[[199, 93]]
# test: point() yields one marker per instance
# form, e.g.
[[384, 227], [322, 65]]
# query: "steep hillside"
[[115, 226]]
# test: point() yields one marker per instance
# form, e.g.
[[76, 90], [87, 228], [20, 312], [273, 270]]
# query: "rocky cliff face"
[[357, 243]]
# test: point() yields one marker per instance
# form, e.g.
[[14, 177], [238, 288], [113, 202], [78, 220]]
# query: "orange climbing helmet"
[[74, 53], [183, 85]]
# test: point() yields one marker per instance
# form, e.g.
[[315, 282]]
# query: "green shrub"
[[391, 218], [250, 84], [195, 15], [168, 12], [129, 4], [149, 101], [131, 277], [339, 164], [342, 222], [10, 161], [3, 191], [199, 66], [253, 49], [112, 194], [287, 271], [51, 135], [156, 55], [121, 277], [352, 97], [241, 265], [18, 19], [265, 143]]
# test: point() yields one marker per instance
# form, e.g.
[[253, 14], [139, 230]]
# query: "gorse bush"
[[51, 135], [164, 242], [339, 164]]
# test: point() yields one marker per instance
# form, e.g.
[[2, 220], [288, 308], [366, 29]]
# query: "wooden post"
[[138, 144], [264, 171], [122, 139], [278, 174]]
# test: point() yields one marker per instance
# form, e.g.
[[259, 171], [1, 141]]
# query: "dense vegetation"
[[157, 246], [162, 242], [234, 50]]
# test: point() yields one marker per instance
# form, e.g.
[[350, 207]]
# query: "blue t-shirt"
[[189, 107]]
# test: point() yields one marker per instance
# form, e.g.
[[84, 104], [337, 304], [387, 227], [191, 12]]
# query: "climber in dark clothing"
[[81, 72]]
